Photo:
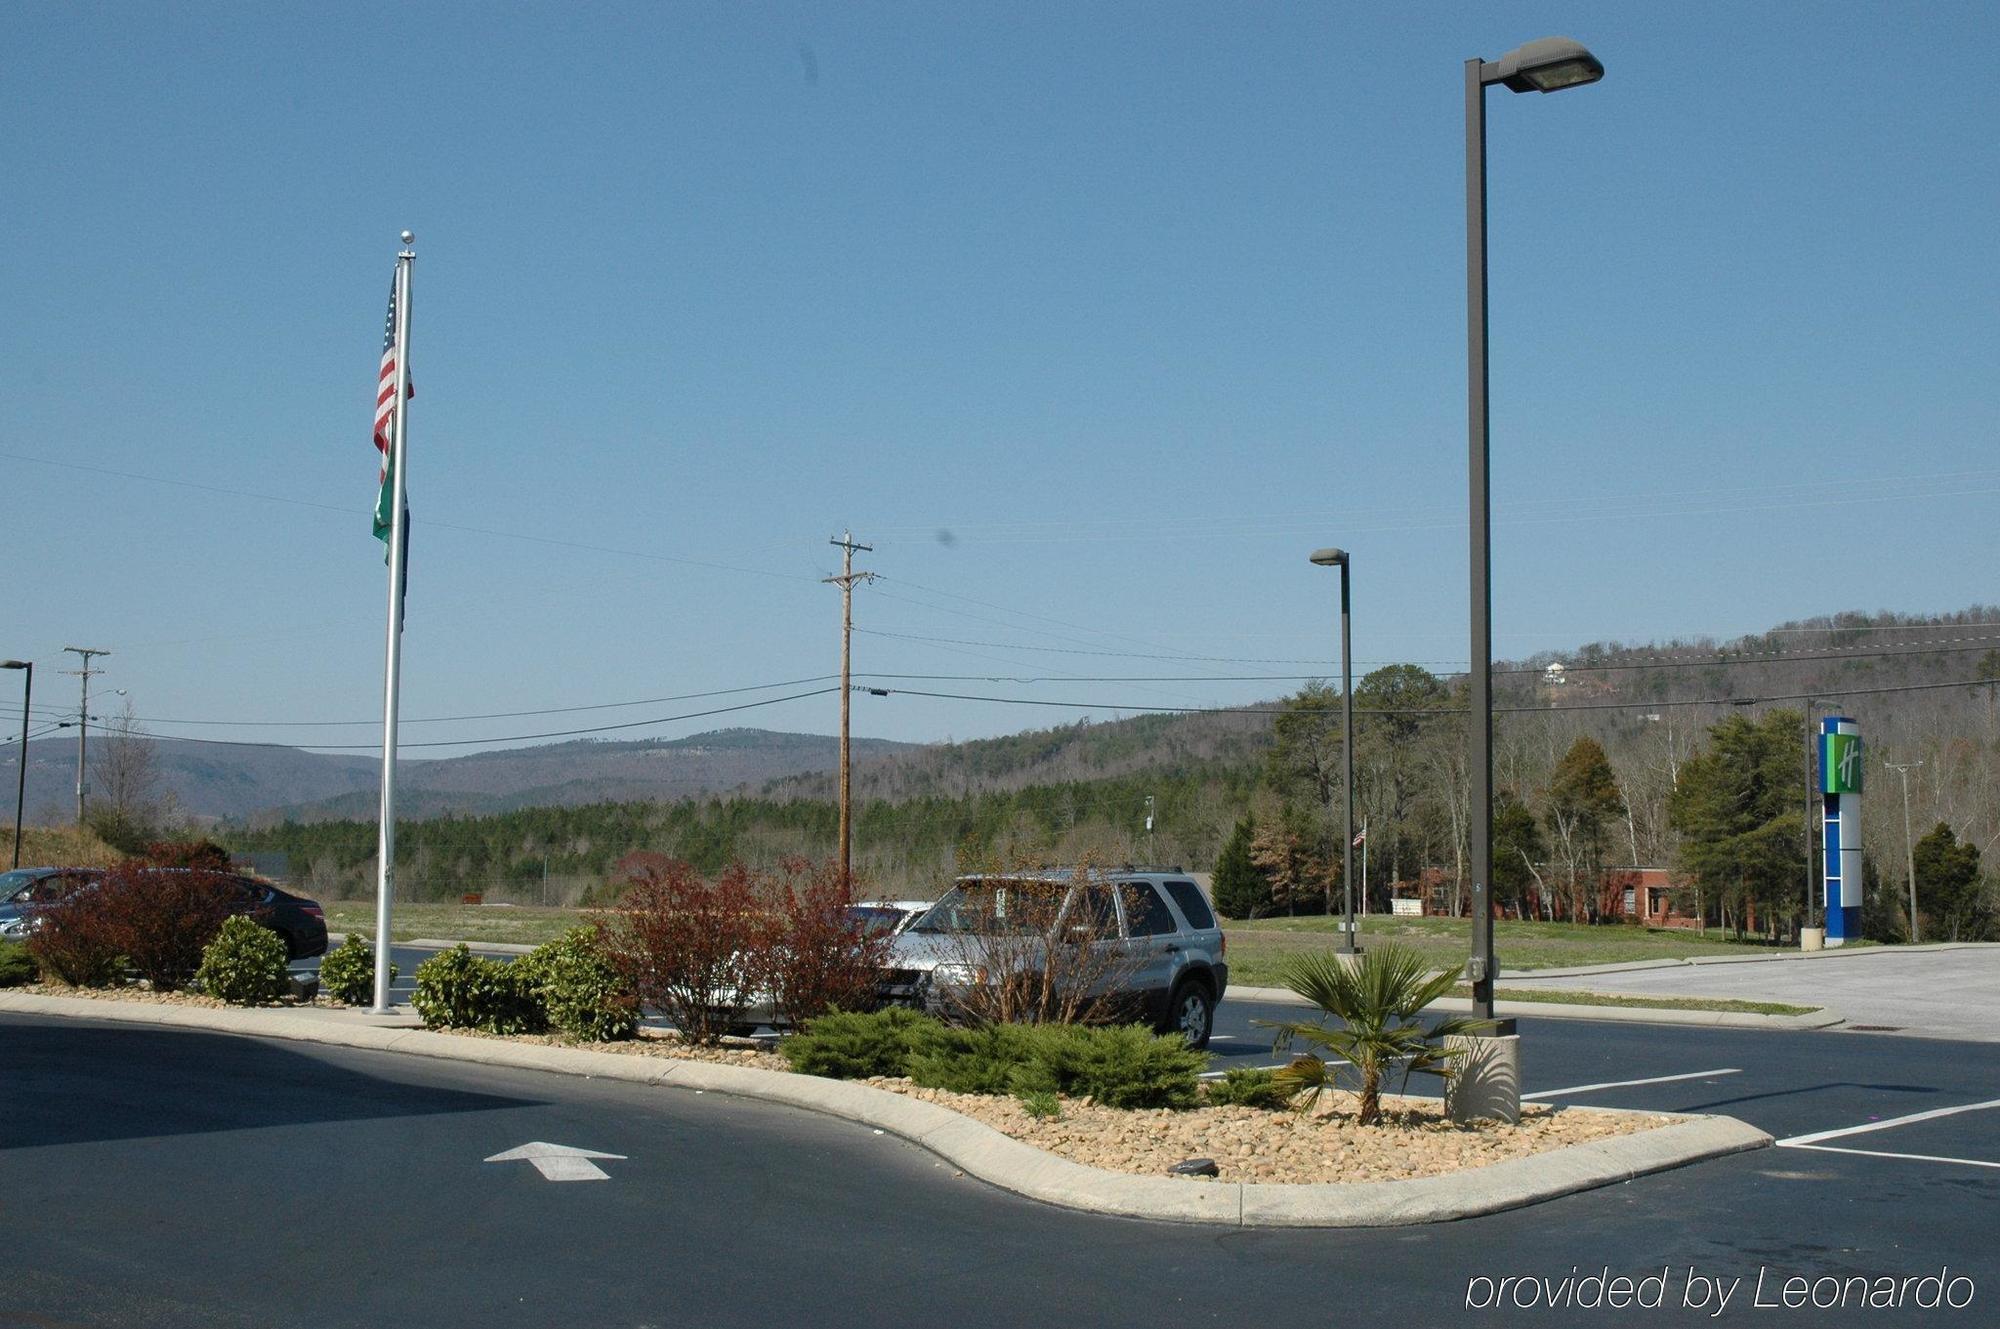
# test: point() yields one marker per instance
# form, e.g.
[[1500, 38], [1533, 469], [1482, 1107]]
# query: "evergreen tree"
[[1950, 894], [1737, 808], [1517, 847], [1240, 889], [1583, 800]]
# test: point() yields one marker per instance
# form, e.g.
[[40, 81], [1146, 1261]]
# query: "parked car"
[[23, 889], [1170, 970], [28, 892], [889, 916], [877, 917], [300, 921]]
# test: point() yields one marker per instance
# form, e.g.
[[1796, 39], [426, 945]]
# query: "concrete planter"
[[1812, 939]]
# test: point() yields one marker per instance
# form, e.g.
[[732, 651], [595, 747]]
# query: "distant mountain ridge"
[[258, 784]]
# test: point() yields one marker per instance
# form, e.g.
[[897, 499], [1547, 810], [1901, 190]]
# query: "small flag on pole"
[[385, 426], [1361, 837]]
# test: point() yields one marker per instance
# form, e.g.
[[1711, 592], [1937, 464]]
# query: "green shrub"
[[843, 1045], [347, 974], [16, 965], [1121, 1066], [458, 990], [245, 964], [1125, 1066], [980, 1059], [1041, 1105], [1243, 1086], [582, 993]]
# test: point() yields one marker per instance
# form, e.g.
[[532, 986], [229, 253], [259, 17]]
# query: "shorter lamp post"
[[21, 782], [1338, 558]]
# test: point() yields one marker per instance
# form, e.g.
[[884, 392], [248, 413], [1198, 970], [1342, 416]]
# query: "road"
[[161, 1178]]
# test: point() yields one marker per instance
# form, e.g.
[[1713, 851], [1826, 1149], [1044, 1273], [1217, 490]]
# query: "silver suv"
[[1170, 967]]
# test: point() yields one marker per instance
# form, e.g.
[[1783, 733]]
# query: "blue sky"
[[1093, 319]]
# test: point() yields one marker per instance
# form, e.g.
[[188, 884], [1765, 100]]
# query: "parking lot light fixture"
[[21, 781], [1337, 558], [1548, 64]]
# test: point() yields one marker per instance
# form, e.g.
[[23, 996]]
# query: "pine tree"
[[1240, 889]]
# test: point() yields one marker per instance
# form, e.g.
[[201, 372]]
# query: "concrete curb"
[[1555, 1010], [978, 1149]]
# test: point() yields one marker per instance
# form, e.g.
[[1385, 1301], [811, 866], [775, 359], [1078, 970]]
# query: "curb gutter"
[[985, 1153], [1562, 1010]]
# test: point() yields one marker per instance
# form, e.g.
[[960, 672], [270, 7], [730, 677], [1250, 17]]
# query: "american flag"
[[385, 391]]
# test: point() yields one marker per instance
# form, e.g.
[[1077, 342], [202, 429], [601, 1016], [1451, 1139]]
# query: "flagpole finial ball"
[[409, 237]]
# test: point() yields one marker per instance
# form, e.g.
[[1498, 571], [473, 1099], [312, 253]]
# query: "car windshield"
[[15, 887], [875, 920], [992, 907]]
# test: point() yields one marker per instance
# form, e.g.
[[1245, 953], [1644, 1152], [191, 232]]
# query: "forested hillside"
[[1592, 763]]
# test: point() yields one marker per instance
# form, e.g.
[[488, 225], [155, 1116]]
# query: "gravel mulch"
[[1414, 1139]]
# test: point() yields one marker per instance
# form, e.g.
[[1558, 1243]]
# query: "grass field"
[[527, 924], [1258, 948]]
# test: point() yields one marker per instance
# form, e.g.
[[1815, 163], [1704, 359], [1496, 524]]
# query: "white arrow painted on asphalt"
[[558, 1162]]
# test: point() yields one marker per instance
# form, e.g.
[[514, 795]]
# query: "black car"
[[301, 922]]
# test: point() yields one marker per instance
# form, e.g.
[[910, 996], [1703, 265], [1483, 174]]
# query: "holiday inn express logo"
[[1840, 760]]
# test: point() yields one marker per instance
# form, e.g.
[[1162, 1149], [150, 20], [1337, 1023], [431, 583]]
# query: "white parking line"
[[1621, 1084], [1798, 1141], [1878, 1153]]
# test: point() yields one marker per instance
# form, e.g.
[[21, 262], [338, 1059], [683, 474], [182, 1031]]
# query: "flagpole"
[[385, 862]]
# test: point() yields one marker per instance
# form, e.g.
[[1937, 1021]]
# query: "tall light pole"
[[1909, 845], [1548, 65], [1338, 558], [21, 782]]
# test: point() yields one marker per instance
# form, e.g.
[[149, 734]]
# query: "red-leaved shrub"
[[827, 958], [696, 951], [152, 921], [204, 855]]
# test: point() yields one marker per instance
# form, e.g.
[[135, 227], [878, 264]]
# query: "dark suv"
[[1172, 970]]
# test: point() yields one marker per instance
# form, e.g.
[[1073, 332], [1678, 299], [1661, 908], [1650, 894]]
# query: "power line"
[[510, 738], [498, 715], [1458, 710]]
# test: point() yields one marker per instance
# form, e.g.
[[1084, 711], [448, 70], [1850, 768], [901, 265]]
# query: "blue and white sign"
[[1840, 766]]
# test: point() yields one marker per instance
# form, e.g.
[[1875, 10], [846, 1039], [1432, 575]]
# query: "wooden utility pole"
[[82, 721], [845, 581]]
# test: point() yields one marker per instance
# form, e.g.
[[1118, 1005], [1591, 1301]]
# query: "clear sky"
[[1093, 319]]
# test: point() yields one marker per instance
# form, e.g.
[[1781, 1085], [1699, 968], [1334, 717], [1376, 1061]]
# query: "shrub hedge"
[[582, 994], [347, 974], [17, 966], [1246, 1086], [459, 990], [844, 1045], [245, 964], [1125, 1066]]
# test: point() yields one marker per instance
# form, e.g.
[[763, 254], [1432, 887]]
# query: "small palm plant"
[[1378, 1000]]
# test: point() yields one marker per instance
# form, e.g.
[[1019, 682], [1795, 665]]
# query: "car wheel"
[[1191, 1013]]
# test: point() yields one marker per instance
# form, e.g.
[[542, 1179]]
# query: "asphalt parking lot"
[[184, 1178]]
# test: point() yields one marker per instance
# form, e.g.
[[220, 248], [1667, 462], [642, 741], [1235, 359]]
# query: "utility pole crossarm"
[[845, 581]]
